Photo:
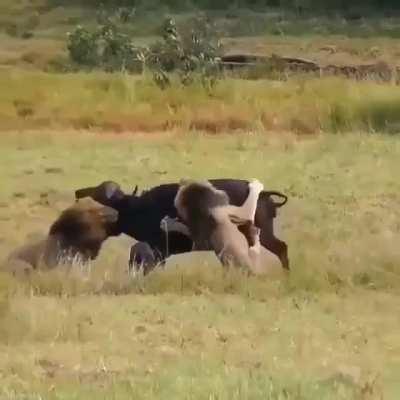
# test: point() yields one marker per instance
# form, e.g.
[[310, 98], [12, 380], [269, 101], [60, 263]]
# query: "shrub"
[[189, 54], [106, 48], [82, 47]]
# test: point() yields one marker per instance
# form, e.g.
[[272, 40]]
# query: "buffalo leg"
[[276, 246]]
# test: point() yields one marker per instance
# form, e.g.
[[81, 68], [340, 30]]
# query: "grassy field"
[[123, 103], [329, 330]]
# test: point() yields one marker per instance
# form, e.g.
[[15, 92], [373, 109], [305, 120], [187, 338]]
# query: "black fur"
[[142, 256]]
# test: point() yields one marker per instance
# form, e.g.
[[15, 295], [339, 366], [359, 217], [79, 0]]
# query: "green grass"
[[327, 331], [121, 103]]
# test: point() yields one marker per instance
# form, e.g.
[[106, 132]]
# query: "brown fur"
[[209, 217], [77, 233]]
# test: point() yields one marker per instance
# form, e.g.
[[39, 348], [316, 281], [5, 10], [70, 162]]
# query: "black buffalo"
[[140, 215]]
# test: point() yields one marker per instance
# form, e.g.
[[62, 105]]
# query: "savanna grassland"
[[328, 330]]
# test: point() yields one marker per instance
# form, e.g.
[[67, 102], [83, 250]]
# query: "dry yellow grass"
[[122, 103]]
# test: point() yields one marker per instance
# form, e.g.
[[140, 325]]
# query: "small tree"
[[82, 47], [190, 54], [107, 48]]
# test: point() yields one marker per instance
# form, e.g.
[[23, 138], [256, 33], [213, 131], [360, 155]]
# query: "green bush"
[[189, 54], [82, 46], [106, 48]]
